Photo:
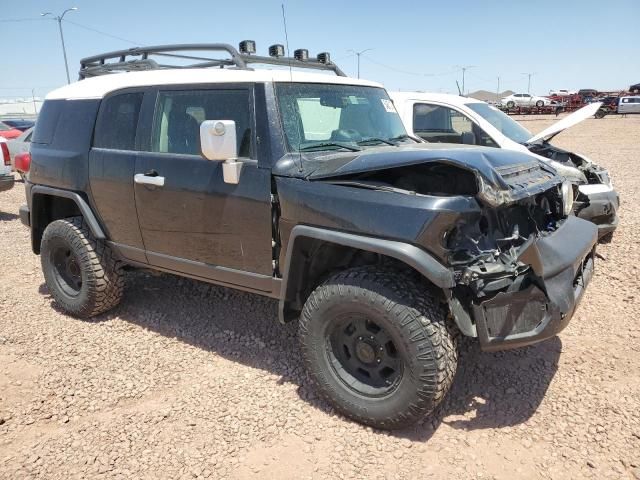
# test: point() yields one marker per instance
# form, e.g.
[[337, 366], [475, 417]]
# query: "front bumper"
[[6, 182], [542, 305], [598, 203]]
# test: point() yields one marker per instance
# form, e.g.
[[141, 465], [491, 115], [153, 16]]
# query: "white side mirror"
[[218, 142]]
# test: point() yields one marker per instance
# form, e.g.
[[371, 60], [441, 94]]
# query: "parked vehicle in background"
[[629, 104], [8, 132], [561, 93], [6, 177], [20, 124], [635, 88], [306, 188], [588, 92], [437, 117], [524, 100], [19, 145]]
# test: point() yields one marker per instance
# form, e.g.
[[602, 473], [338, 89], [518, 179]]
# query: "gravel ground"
[[188, 380]]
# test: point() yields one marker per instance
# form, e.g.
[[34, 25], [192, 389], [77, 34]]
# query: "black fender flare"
[[83, 206], [413, 256]]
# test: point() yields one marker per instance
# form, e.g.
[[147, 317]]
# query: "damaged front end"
[[501, 223], [595, 198], [520, 270]]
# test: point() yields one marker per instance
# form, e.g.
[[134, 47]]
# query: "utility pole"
[[33, 97], [529, 75], [64, 50], [358, 55], [464, 69], [498, 91]]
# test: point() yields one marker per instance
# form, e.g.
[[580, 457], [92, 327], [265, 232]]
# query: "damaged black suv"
[[303, 187]]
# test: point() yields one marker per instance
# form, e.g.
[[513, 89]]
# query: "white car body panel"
[[404, 102], [98, 87], [568, 121], [4, 169]]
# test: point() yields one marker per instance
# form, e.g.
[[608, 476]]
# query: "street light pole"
[[358, 55], [64, 50], [464, 69], [529, 75]]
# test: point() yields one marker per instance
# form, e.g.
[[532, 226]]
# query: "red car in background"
[[9, 132]]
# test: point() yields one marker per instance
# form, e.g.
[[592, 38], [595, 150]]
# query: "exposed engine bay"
[[593, 173]]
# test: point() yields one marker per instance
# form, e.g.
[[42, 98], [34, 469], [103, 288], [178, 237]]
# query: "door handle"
[[143, 179]]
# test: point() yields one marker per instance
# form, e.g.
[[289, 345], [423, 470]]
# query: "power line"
[[95, 30], [406, 72], [12, 20]]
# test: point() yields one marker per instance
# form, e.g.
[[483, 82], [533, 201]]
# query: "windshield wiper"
[[372, 140], [324, 145], [404, 136]]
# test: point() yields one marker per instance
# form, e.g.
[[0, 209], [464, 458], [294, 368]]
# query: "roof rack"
[[100, 64]]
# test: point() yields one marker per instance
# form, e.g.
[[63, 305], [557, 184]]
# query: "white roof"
[[98, 87], [455, 100]]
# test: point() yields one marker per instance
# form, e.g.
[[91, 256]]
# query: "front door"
[[193, 222]]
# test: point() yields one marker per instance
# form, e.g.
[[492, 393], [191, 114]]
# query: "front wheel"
[[511, 104], [82, 273], [377, 346], [539, 104]]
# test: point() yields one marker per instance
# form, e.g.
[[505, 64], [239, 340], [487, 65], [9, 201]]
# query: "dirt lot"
[[188, 380]]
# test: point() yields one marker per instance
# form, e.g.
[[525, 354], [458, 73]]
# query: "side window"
[[180, 113], [440, 124], [117, 122]]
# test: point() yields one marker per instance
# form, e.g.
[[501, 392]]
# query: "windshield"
[[329, 117], [503, 122]]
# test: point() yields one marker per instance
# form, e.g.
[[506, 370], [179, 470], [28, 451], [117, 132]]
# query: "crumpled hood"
[[568, 121], [504, 169]]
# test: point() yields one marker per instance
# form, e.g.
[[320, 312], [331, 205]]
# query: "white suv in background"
[[442, 118], [525, 100], [6, 177]]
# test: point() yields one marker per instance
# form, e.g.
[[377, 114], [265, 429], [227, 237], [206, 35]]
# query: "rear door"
[[194, 222], [112, 161]]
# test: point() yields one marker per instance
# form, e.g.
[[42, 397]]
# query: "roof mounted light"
[[301, 54], [276, 50], [324, 57], [247, 46]]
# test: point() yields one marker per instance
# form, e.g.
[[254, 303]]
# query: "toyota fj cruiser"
[[306, 188]]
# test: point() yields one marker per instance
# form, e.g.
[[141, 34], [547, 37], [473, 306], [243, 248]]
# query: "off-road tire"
[[100, 270], [414, 319]]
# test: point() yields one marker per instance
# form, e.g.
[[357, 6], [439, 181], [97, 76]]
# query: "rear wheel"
[[511, 104], [600, 113], [539, 104], [377, 346], [82, 273]]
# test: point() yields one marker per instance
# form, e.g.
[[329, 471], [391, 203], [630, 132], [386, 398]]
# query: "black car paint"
[[198, 226]]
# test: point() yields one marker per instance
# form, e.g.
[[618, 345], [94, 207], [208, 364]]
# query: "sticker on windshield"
[[388, 105]]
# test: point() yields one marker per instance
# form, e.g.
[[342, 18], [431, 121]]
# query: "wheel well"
[[313, 261], [46, 209]]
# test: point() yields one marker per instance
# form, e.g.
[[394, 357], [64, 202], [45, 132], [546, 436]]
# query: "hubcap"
[[363, 355]]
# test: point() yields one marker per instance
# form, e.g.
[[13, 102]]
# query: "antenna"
[[459, 92], [286, 40]]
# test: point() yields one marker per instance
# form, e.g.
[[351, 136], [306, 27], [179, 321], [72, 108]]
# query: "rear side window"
[[118, 121], [180, 113]]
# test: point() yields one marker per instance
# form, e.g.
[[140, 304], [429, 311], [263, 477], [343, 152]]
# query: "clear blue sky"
[[416, 45]]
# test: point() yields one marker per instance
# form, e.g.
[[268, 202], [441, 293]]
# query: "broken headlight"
[[567, 198], [491, 195]]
